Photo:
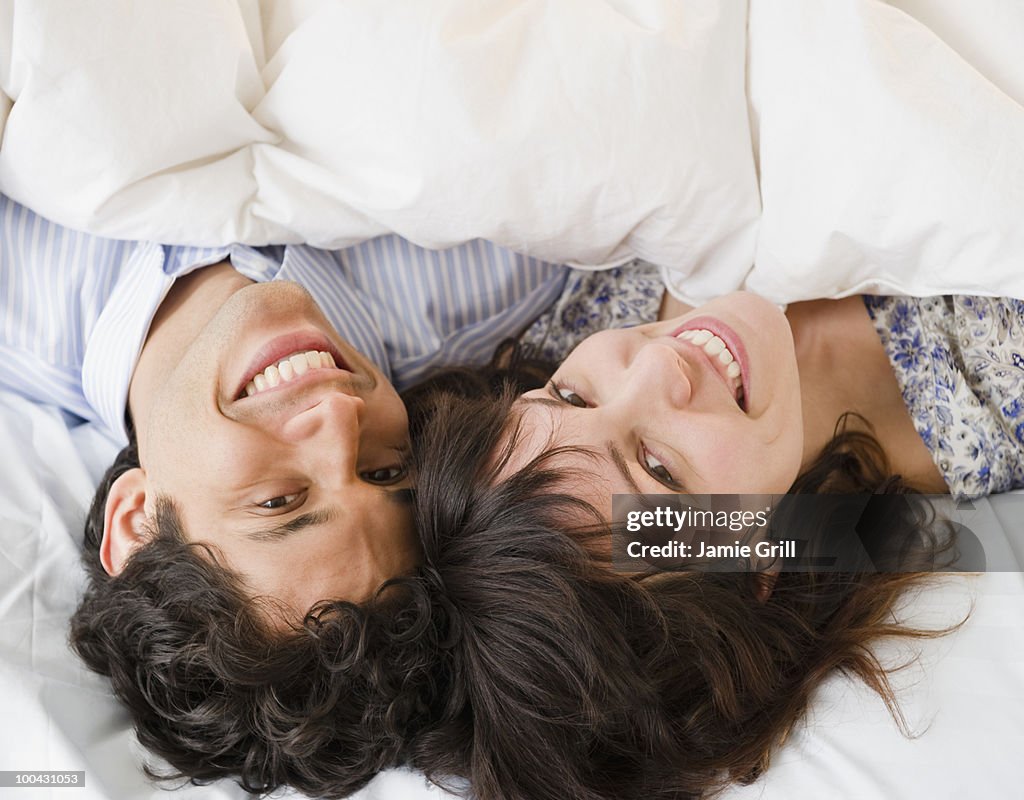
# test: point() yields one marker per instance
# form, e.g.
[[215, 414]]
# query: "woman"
[[567, 679], [937, 379]]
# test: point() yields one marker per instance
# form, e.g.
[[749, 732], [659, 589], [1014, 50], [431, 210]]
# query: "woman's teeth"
[[289, 368], [715, 347]]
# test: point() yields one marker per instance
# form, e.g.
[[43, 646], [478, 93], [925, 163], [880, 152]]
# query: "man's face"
[[296, 484]]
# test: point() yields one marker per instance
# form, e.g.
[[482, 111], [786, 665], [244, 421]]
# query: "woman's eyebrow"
[[614, 453], [620, 462], [561, 405]]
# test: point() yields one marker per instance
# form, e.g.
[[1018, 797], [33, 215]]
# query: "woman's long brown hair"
[[565, 679]]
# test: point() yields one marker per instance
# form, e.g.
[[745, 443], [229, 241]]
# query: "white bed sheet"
[[965, 697]]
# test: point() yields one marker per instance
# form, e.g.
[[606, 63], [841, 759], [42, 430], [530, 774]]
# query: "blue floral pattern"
[[593, 301], [959, 361]]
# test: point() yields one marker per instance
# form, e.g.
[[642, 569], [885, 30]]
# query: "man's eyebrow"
[[320, 516], [623, 467]]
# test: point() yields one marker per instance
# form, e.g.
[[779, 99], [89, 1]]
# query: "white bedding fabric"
[[886, 153], [531, 124], [965, 697]]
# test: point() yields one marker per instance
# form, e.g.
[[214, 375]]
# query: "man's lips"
[[280, 348], [288, 399]]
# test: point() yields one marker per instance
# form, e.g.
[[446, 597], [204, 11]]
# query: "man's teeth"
[[715, 347], [289, 368]]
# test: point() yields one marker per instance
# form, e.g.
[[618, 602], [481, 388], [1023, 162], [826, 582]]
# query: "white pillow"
[[574, 130], [888, 163]]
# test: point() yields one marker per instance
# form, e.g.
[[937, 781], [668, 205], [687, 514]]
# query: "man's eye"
[[568, 395], [280, 501], [385, 476], [657, 469]]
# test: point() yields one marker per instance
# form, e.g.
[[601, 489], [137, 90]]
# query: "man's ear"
[[125, 520]]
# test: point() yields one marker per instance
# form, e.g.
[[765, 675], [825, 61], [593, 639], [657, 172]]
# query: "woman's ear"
[[765, 582], [125, 521]]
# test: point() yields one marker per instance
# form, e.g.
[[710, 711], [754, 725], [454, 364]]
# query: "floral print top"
[[959, 362], [594, 301]]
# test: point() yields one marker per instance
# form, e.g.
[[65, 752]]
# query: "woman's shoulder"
[[959, 360]]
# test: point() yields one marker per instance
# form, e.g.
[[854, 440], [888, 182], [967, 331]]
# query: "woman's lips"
[[705, 333]]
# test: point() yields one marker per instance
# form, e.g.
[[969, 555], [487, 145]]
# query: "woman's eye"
[[281, 501], [568, 395], [657, 469], [385, 476]]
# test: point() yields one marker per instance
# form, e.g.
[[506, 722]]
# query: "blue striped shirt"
[[75, 309]]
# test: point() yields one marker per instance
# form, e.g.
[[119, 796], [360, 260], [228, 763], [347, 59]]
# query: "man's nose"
[[658, 375], [329, 433]]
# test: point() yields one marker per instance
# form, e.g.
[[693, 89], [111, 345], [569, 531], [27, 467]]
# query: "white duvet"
[[799, 148]]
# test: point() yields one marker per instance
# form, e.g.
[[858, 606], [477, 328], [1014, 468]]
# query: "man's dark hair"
[[216, 691]]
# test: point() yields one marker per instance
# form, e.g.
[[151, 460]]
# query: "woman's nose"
[[658, 374]]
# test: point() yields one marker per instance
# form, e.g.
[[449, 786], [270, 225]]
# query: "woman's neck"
[[843, 367]]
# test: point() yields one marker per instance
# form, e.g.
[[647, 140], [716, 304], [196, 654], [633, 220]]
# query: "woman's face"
[[707, 403]]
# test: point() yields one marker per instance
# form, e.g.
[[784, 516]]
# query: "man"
[[237, 547]]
